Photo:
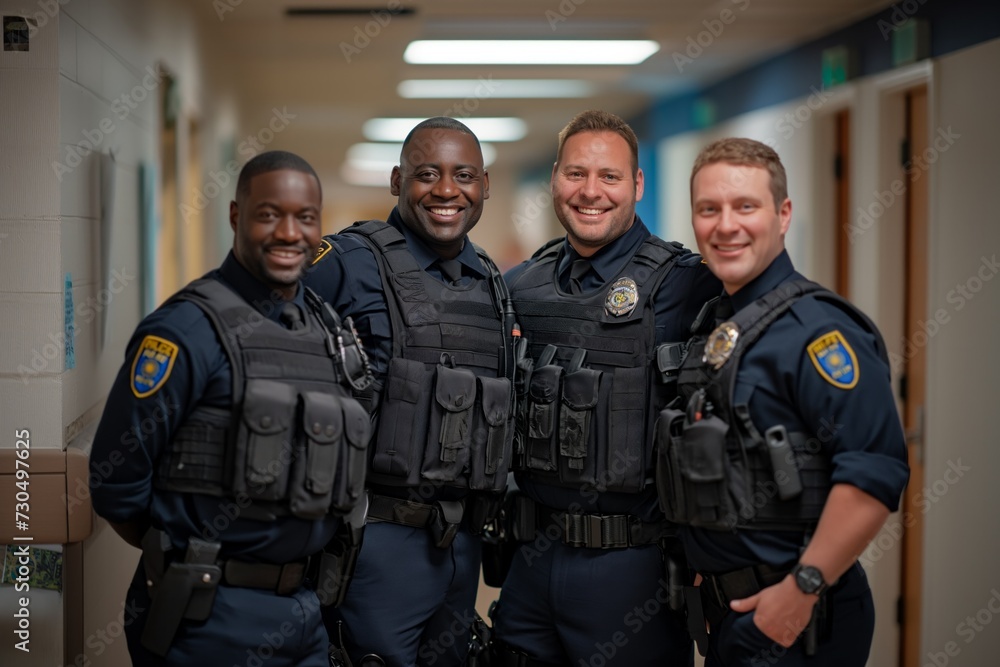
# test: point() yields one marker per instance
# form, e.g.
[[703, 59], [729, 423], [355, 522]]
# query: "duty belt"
[[443, 518], [720, 589], [600, 531]]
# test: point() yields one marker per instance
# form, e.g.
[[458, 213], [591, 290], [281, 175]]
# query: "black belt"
[[503, 654], [720, 589], [399, 510], [282, 579], [601, 531]]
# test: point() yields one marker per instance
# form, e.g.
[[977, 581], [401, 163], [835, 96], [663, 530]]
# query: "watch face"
[[809, 579]]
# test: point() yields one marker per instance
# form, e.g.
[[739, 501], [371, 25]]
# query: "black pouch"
[[265, 440], [450, 433], [403, 420], [543, 416], [315, 468], [445, 520], [703, 463], [576, 416], [669, 483], [350, 485], [630, 453], [492, 435]]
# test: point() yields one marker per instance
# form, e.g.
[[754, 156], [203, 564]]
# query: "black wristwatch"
[[809, 579]]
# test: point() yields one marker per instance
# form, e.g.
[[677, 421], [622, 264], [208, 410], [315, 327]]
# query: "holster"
[[499, 546], [185, 590], [479, 643], [339, 557], [445, 520]]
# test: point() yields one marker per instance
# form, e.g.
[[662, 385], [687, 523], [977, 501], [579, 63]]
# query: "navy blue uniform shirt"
[[680, 298], [135, 433], [858, 428]]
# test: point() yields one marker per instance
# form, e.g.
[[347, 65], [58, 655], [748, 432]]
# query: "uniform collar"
[[266, 300], [612, 258], [777, 272], [426, 257]]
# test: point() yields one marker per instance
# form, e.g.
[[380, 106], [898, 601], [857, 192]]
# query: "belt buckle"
[[289, 578], [572, 528], [594, 531]]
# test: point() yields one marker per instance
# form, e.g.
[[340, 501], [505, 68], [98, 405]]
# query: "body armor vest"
[[446, 407], [294, 440], [715, 469], [592, 381]]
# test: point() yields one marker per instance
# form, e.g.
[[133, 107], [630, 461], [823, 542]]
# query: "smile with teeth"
[[729, 248], [437, 210], [589, 211]]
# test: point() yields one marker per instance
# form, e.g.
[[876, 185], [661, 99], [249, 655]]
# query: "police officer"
[[786, 454], [429, 306], [229, 443], [602, 314]]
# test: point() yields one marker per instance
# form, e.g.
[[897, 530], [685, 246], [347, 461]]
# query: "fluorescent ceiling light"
[[487, 129], [493, 88], [369, 164], [529, 52]]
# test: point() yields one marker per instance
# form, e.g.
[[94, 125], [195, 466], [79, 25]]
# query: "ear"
[[785, 215], [640, 184], [234, 214], [486, 185], [394, 180]]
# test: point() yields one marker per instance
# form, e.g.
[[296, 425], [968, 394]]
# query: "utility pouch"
[[445, 519], [523, 368], [499, 546], [669, 357], [482, 509], [669, 483], [187, 590], [492, 435], [579, 398], [315, 468], [543, 416], [450, 433], [349, 489], [523, 523], [786, 473], [264, 448], [402, 424], [703, 463]]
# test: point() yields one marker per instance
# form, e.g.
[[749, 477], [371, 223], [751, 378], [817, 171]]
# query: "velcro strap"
[[282, 579], [398, 510]]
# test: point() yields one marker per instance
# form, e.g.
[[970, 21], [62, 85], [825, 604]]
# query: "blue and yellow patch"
[[835, 360], [152, 365], [324, 247]]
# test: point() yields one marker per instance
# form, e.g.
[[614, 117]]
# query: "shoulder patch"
[[835, 360], [152, 365], [324, 247]]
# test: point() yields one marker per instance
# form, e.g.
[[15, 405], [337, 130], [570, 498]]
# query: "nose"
[[591, 187], [727, 221], [288, 229], [445, 187]]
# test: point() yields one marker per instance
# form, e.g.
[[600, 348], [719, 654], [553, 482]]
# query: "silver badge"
[[720, 344], [622, 297]]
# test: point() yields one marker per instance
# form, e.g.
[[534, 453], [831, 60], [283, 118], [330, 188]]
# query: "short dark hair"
[[439, 123], [745, 153], [272, 161], [594, 120]]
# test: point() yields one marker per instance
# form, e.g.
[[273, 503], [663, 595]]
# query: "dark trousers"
[[844, 638], [591, 608], [410, 602], [248, 628]]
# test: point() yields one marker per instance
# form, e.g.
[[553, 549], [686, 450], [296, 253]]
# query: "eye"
[[465, 177], [611, 178]]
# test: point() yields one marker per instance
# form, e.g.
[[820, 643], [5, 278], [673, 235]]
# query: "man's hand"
[[782, 610]]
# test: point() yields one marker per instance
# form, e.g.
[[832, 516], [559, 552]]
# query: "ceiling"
[[333, 76]]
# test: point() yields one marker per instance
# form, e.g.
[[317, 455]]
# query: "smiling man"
[[603, 312], [429, 306], [786, 455], [202, 460]]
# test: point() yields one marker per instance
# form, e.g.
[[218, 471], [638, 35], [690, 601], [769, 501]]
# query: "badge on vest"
[[720, 344], [324, 247], [835, 360], [152, 365], [622, 297]]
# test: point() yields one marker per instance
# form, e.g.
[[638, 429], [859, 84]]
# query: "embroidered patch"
[[324, 247], [152, 365], [835, 360], [622, 297]]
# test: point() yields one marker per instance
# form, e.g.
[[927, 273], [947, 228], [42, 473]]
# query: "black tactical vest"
[[594, 381], [294, 440], [446, 407], [714, 468]]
